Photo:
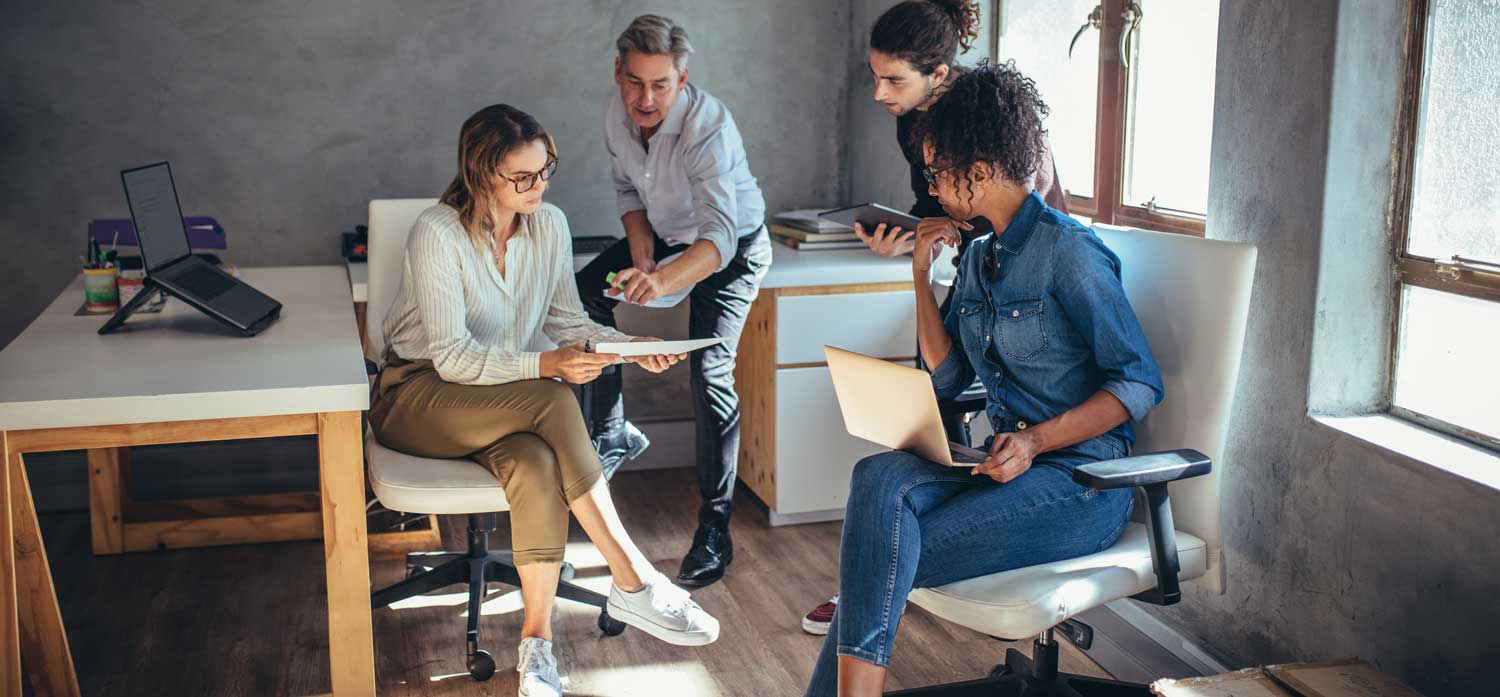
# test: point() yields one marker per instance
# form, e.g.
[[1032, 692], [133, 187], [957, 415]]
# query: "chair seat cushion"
[[412, 484], [1025, 602]]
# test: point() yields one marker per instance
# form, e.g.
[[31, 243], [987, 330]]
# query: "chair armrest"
[[1143, 470], [1151, 472], [371, 369]]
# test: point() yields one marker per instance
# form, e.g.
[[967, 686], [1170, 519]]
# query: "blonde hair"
[[483, 142]]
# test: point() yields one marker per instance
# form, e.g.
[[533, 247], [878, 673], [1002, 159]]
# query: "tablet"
[[871, 215]]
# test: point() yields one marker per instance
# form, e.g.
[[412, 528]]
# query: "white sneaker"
[[538, 669], [665, 612]]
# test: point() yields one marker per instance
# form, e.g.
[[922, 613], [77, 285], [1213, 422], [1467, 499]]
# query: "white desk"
[[179, 377], [795, 453]]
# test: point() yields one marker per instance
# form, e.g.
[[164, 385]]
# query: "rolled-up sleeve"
[[711, 165], [1091, 294], [955, 373]]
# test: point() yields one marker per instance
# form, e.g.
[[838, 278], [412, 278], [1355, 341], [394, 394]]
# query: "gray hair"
[[655, 35]]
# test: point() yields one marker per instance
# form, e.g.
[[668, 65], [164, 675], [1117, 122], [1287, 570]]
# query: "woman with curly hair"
[[1040, 317], [914, 50]]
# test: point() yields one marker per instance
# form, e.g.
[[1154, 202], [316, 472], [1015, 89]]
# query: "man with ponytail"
[[914, 50]]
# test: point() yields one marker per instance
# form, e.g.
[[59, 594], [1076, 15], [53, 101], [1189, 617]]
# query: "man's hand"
[[636, 286], [932, 233], [1010, 456], [573, 364], [655, 363], [886, 243]]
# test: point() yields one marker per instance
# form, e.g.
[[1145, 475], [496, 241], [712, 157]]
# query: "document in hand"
[[653, 348]]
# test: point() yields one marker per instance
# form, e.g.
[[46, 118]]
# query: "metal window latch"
[[1150, 206], [1132, 16], [1454, 267], [1094, 20]]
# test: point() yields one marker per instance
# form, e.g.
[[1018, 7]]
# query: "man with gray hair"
[[694, 221]]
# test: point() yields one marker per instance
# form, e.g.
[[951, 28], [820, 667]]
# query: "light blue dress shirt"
[[694, 181]]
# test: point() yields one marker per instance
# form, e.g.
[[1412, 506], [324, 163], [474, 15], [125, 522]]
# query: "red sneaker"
[[816, 622]]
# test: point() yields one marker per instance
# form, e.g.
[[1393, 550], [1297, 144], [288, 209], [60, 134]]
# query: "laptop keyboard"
[[964, 457], [204, 282]]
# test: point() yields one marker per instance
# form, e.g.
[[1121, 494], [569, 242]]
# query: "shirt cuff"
[[627, 201], [1138, 397], [948, 379], [531, 365], [725, 242]]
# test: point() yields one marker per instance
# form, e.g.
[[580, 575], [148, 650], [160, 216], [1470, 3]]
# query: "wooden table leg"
[[42, 637], [10, 631], [107, 499], [351, 643]]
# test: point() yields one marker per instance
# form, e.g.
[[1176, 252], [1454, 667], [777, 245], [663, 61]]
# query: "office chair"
[[1192, 297], [411, 484]]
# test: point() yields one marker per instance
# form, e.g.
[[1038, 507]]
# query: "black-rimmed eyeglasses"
[[527, 182]]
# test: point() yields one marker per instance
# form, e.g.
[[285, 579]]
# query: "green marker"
[[610, 279]]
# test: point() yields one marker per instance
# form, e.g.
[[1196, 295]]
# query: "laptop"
[[172, 268], [894, 406]]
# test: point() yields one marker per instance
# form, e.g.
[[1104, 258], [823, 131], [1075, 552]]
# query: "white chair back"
[[1192, 297], [389, 224]]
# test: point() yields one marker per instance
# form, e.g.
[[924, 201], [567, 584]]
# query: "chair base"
[[1021, 676], [477, 568]]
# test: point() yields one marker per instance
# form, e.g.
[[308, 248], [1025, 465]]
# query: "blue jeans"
[[912, 523]]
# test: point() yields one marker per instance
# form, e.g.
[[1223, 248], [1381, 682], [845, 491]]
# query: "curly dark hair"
[[992, 114], [927, 33]]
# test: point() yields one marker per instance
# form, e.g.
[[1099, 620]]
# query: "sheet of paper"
[[652, 348], [665, 300]]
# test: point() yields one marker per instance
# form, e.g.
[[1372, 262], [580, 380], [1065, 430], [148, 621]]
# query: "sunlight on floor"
[[676, 678]]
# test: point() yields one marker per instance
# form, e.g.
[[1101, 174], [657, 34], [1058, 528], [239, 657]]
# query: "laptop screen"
[[157, 215]]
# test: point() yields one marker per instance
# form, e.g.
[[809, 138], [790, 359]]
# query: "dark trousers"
[[718, 308]]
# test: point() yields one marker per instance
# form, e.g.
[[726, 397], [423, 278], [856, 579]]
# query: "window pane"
[[1171, 104], [1446, 365], [1456, 193], [1035, 33]]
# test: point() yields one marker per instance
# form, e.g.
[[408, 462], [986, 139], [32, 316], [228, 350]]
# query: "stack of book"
[[804, 230]]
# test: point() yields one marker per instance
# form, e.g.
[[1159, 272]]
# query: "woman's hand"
[[573, 364], [1010, 456], [655, 363], [932, 233], [892, 243]]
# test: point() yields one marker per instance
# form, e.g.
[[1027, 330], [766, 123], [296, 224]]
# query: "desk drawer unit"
[[795, 452], [875, 324]]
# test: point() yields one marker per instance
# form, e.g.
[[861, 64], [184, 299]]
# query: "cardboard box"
[[1347, 678]]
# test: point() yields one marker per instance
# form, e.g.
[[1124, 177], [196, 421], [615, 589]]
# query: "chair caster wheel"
[[609, 625], [568, 572], [481, 666], [1000, 671]]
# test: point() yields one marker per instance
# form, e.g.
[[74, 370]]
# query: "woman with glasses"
[[1040, 318], [485, 269]]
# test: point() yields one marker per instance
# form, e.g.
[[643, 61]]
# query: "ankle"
[[536, 633], [627, 579]]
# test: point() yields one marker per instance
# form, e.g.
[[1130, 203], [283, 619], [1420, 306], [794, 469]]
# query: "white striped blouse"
[[455, 309]]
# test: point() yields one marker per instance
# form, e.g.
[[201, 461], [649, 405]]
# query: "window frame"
[[1110, 118], [1450, 276]]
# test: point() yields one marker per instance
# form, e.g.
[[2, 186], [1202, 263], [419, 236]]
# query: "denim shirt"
[[1048, 331]]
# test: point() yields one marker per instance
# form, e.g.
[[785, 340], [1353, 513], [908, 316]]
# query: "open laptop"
[[894, 405], [172, 268]]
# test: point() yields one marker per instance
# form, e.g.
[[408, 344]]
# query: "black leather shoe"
[[625, 443], [709, 558]]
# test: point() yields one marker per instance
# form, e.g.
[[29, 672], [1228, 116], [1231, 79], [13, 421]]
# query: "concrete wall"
[[283, 119], [1335, 548]]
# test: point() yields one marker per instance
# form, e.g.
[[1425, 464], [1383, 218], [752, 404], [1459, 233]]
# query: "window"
[[1447, 223], [1131, 138]]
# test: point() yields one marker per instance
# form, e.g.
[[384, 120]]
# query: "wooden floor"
[[250, 620]]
